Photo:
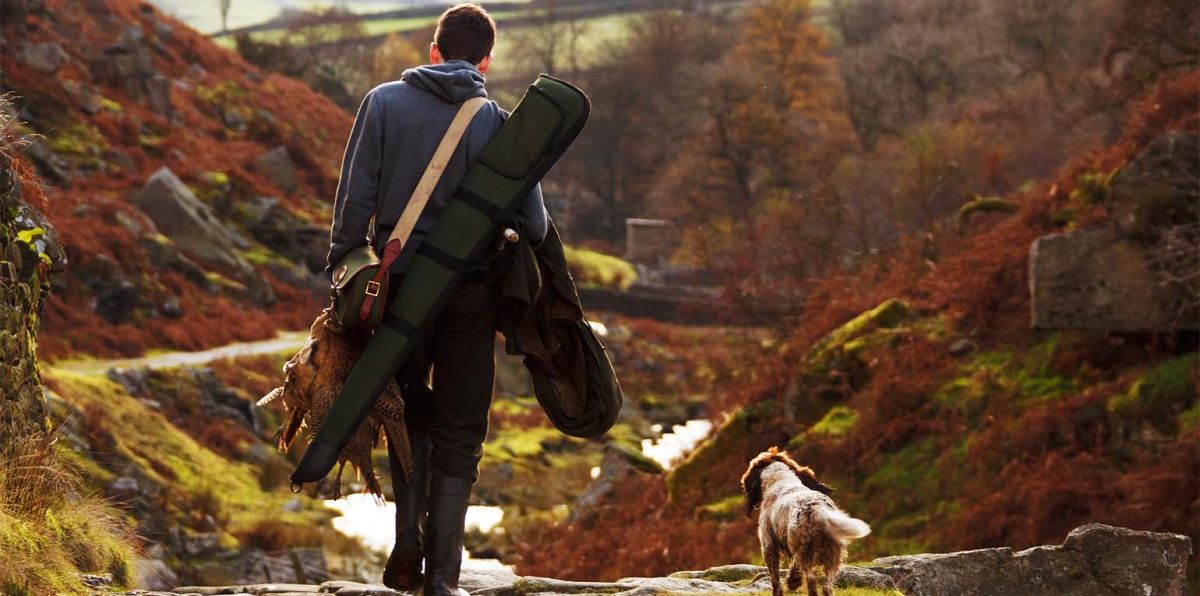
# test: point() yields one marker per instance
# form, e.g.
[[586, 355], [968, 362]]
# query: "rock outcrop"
[[188, 222], [128, 66], [1103, 279], [288, 234], [1094, 280], [192, 226], [1094, 560]]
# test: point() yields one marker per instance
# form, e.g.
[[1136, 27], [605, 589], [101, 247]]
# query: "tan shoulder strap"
[[433, 172]]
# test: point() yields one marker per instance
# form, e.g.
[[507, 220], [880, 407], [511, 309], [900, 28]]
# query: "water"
[[373, 523], [668, 449]]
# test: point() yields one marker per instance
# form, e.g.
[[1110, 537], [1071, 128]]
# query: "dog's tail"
[[842, 526]]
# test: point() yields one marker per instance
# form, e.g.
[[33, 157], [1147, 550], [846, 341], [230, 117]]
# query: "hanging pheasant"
[[312, 380]]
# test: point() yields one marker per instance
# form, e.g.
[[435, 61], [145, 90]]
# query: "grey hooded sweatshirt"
[[398, 127]]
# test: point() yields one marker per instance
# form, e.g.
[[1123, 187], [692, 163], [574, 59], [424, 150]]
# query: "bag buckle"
[[373, 288]]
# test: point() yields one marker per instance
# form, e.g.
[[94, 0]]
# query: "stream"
[[373, 523]]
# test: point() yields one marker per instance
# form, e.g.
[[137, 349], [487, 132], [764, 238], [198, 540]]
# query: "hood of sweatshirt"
[[454, 81]]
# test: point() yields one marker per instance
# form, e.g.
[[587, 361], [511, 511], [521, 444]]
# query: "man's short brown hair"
[[465, 32]]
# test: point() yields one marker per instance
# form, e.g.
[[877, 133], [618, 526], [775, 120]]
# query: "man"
[[398, 126]]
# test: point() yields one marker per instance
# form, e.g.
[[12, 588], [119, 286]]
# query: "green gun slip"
[[541, 128]]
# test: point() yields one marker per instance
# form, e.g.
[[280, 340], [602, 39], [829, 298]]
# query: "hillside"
[[112, 91], [917, 388]]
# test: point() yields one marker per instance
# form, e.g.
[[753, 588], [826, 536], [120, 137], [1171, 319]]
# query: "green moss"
[[149, 141], [1161, 395], [888, 315], [262, 256], [839, 421], [1024, 375], [223, 283], [1092, 187], [983, 205], [1062, 217], [727, 509], [1189, 419], [592, 268], [219, 179], [109, 104], [78, 140], [224, 94]]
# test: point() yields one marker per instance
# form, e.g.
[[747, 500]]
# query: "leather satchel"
[[359, 285]]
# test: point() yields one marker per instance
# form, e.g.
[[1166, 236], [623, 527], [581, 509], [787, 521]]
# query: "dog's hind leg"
[[811, 581], [771, 558], [831, 572], [795, 575]]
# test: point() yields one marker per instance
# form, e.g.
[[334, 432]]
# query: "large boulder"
[[188, 222], [1095, 280], [1094, 560], [277, 165], [45, 57], [1157, 188], [195, 229]]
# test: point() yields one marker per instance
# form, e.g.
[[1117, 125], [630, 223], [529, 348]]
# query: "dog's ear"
[[752, 489], [809, 479], [752, 484]]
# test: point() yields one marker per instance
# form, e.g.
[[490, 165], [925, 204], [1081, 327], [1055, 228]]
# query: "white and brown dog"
[[797, 519]]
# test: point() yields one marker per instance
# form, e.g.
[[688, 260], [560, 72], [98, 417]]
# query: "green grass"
[[52, 526], [202, 480]]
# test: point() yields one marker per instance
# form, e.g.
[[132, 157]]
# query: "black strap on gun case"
[[545, 122]]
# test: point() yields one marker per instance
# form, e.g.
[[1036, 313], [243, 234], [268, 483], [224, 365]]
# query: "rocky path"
[[284, 341], [1094, 560], [730, 579]]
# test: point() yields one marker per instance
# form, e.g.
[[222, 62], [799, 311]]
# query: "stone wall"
[[28, 252]]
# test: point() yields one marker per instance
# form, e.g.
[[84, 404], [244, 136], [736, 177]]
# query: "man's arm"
[[358, 186], [533, 214]]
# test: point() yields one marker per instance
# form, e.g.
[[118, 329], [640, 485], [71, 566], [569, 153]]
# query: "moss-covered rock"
[[888, 315], [726, 509], [839, 421]]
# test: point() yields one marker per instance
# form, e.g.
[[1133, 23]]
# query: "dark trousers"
[[459, 352]]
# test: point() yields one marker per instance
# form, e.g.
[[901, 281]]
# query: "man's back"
[[398, 127]]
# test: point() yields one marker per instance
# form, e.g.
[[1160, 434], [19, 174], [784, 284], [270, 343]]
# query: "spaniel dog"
[[797, 519]]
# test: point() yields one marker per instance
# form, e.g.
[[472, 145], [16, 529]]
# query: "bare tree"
[[550, 42], [224, 6]]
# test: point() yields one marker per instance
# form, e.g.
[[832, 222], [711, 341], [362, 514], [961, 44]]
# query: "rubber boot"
[[448, 497], [403, 571]]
